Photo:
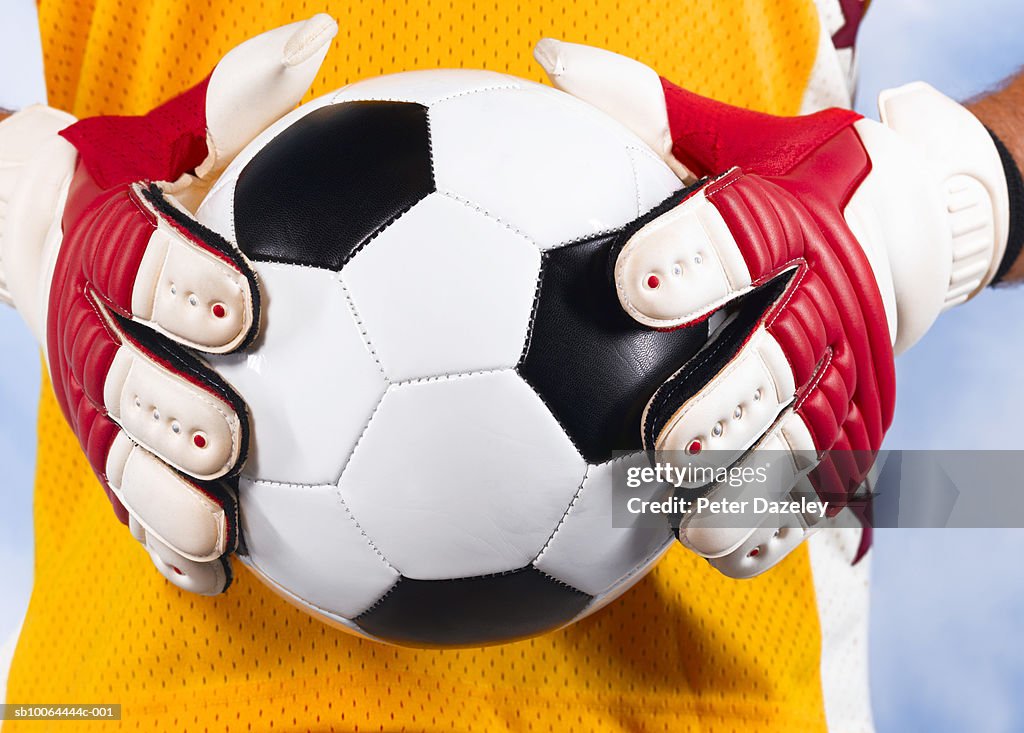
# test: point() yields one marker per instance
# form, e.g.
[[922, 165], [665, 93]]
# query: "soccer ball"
[[443, 370]]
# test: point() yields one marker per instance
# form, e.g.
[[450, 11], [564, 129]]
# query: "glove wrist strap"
[[1015, 189]]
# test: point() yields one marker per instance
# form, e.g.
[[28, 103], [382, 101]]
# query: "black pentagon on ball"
[[593, 365], [486, 609], [328, 183]]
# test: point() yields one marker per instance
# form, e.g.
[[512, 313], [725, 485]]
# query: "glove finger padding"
[[173, 274], [148, 260], [197, 520], [204, 578], [768, 475], [191, 285], [194, 522], [771, 540], [174, 405], [681, 267], [728, 395], [121, 393]]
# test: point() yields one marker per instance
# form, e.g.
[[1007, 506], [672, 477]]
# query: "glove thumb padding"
[[203, 128], [258, 82], [696, 135], [621, 87]]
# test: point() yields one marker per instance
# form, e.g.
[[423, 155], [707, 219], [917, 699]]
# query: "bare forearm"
[[1002, 112]]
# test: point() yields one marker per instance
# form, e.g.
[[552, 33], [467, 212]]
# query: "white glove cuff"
[[36, 166], [961, 153]]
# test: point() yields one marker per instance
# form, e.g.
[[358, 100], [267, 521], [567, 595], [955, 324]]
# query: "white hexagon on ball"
[[444, 290], [310, 381], [461, 477]]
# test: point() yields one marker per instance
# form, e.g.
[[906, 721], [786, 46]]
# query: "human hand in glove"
[[122, 287], [832, 242]]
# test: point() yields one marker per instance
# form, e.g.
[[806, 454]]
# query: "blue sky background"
[[948, 605], [947, 623], [21, 83]]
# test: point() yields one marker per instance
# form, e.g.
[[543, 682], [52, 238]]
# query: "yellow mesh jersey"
[[686, 650]]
